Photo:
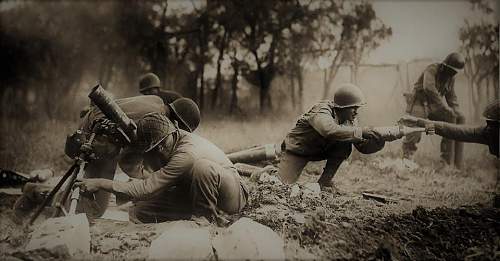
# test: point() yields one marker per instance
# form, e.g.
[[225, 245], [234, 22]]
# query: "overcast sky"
[[421, 29]]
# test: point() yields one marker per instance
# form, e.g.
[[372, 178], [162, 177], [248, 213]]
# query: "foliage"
[[479, 44], [53, 48]]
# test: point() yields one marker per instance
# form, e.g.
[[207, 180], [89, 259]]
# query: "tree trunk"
[[234, 87], [300, 80], [218, 77], [326, 86], [292, 93]]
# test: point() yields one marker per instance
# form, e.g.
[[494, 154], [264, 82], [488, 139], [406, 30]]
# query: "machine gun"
[[83, 152]]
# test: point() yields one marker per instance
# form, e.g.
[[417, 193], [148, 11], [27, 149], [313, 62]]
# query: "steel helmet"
[[455, 61], [152, 129], [187, 112], [148, 81], [348, 95], [492, 111]]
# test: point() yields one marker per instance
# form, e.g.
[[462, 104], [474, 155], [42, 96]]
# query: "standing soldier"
[[328, 131], [484, 134], [150, 84], [189, 176], [426, 101]]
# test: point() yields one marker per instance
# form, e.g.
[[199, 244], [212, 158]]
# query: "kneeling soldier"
[[184, 112], [327, 132], [188, 175]]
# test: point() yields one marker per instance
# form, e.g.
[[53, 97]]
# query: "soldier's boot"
[[326, 180]]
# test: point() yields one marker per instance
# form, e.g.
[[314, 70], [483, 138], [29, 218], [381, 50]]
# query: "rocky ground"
[[425, 213]]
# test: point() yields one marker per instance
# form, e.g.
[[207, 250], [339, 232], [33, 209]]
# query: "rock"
[[71, 232], [295, 191], [116, 215], [312, 190], [346, 225], [247, 239], [41, 175], [182, 241], [299, 218], [266, 178]]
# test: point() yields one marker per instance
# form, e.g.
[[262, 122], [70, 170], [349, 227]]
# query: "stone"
[[248, 240], [71, 232], [182, 240], [311, 190], [295, 191]]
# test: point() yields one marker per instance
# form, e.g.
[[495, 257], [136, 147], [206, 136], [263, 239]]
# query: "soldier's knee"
[[203, 169]]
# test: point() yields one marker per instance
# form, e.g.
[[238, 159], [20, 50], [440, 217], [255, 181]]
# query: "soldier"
[[150, 84], [437, 81], [189, 176], [328, 131], [484, 134], [183, 112]]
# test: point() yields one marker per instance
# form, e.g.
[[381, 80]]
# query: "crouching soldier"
[[327, 132], [188, 175], [436, 82], [486, 134], [107, 146]]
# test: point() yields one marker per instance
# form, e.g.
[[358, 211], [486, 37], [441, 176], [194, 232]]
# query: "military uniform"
[[196, 178], [483, 134], [318, 135], [105, 166], [135, 108], [426, 101], [168, 96]]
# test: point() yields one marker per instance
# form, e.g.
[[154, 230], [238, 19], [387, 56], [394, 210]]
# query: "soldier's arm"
[[431, 91], [178, 165], [325, 125], [451, 96], [463, 133]]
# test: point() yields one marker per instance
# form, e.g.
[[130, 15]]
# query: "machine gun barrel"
[[103, 100]]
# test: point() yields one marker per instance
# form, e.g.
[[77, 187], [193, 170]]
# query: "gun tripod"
[[76, 171]]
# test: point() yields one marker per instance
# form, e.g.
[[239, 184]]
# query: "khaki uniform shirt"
[[431, 88], [169, 96], [318, 131], [188, 148], [487, 135], [134, 107]]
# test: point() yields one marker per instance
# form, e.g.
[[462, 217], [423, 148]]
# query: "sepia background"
[[252, 67]]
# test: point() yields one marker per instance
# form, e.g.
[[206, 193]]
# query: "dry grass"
[[28, 145]]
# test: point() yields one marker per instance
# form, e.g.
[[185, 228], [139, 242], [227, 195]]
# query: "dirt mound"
[[471, 233]]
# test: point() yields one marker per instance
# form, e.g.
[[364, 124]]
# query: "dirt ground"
[[432, 213]]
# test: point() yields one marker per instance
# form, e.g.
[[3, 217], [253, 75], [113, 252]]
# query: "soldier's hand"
[[89, 185], [371, 134], [409, 120]]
